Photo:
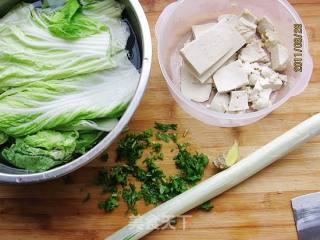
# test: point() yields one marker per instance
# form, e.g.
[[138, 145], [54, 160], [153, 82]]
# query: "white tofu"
[[239, 101], [220, 102], [264, 25], [237, 41], [198, 30], [249, 16], [283, 78], [254, 52], [270, 39], [279, 57], [273, 83], [230, 77], [193, 91], [254, 78], [261, 99], [249, 91], [229, 19], [202, 53], [247, 29]]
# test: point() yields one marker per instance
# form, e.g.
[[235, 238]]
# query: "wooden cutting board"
[[257, 209]]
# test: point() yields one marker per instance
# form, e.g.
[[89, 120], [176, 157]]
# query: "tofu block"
[[254, 78], [198, 30], [194, 91], [270, 39], [220, 102], [272, 83], [254, 52], [264, 25], [237, 42], [239, 101], [249, 91], [249, 16], [229, 19], [202, 53], [261, 99], [279, 57], [230, 77], [247, 29]]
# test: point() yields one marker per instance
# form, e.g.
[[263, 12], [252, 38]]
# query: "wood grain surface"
[[257, 209]]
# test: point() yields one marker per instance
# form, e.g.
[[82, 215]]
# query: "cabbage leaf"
[[47, 105]]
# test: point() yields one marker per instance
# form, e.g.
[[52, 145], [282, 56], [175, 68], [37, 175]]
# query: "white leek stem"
[[220, 182]]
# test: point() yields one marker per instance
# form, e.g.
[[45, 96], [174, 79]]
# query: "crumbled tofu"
[[194, 91], [247, 29], [254, 78], [273, 83], [264, 25], [249, 91], [279, 57], [270, 39], [237, 41], [229, 19], [240, 58], [202, 53], [254, 52], [249, 16], [239, 101], [230, 77], [198, 30], [261, 99], [283, 78], [220, 102]]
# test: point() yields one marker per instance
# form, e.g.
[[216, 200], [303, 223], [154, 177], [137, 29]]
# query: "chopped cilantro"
[[173, 221], [192, 166], [109, 204], [207, 206], [156, 147], [109, 180], [156, 186], [86, 198], [131, 196], [166, 137], [174, 186], [131, 147], [165, 127]]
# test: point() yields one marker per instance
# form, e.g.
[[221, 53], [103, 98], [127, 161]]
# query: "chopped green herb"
[[165, 127], [166, 137], [156, 186], [86, 198], [156, 147], [192, 166], [173, 221], [131, 196], [207, 206], [131, 147], [105, 157], [68, 180], [109, 180], [110, 204]]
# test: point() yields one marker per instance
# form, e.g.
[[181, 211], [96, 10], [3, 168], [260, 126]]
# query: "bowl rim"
[[227, 116], [107, 141]]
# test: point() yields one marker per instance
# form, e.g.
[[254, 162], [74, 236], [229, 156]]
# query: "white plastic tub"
[[173, 29]]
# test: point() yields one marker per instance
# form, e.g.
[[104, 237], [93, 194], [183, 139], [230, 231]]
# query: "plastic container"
[[173, 29]]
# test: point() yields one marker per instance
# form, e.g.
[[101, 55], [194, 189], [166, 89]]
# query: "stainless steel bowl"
[[140, 26]]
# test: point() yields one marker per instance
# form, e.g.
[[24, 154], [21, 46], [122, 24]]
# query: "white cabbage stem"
[[220, 182]]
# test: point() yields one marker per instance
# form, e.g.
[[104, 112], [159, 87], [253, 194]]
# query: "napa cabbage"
[[65, 80]]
